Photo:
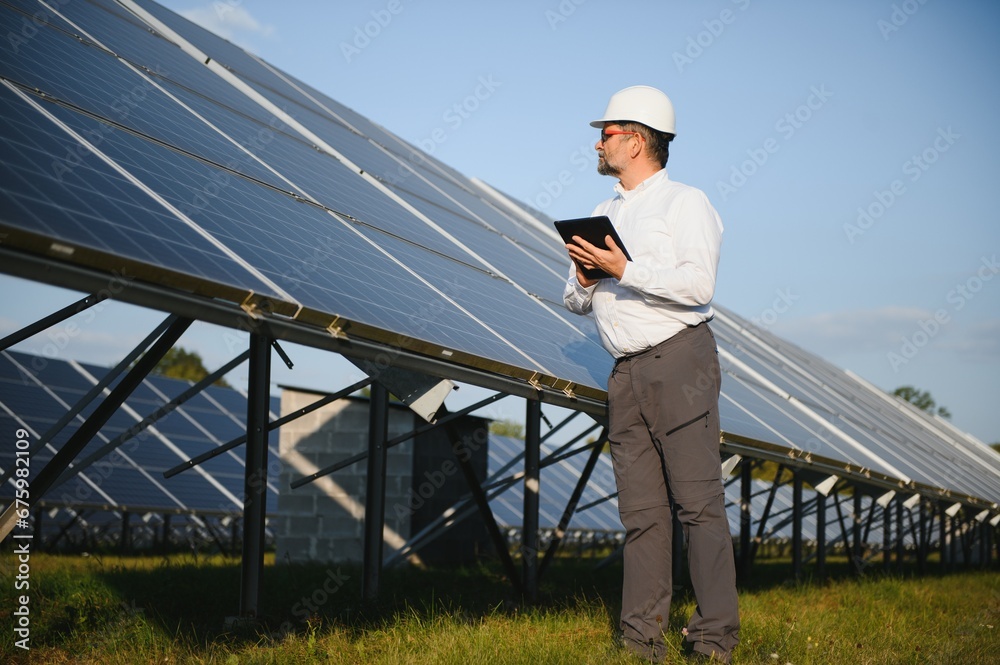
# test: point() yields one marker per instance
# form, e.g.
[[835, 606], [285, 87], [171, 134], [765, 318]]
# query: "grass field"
[[107, 609]]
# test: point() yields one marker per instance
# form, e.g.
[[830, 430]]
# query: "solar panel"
[[132, 476], [128, 147]]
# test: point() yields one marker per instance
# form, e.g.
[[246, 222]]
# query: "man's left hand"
[[611, 260]]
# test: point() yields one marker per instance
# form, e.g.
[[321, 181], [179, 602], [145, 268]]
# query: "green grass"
[[171, 610]]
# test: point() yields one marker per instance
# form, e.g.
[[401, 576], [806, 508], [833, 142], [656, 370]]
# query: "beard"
[[604, 167]]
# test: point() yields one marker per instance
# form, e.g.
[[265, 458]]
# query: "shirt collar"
[[642, 186]]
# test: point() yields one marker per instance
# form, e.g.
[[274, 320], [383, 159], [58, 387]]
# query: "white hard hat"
[[640, 103]]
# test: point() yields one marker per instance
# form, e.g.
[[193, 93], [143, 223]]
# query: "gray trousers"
[[664, 434]]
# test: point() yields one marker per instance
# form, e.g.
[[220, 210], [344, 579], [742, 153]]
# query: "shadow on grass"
[[189, 600], [192, 601]]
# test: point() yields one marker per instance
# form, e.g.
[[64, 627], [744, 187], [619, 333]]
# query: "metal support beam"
[[96, 390], [820, 536], [395, 441], [464, 456], [76, 443], [255, 475], [887, 536], [378, 434], [57, 317], [152, 418], [532, 472], [767, 512], [900, 550], [124, 543], [746, 517], [287, 418], [856, 554], [574, 499], [923, 537], [797, 524], [943, 537]]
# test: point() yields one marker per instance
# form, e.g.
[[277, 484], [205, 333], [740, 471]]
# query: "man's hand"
[[611, 260]]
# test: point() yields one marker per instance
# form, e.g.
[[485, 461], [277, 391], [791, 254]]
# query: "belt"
[[636, 354]]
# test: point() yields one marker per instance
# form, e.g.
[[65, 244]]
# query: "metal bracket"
[[336, 328], [251, 307], [568, 390], [535, 383]]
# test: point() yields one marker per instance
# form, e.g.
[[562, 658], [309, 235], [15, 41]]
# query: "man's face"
[[610, 150]]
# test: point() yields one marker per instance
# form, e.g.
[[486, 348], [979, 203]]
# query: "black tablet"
[[594, 230]]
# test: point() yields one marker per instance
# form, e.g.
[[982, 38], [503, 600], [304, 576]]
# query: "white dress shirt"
[[673, 235]]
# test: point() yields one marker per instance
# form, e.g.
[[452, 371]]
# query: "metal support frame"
[[767, 512], [574, 499], [56, 317], [943, 536], [464, 457], [820, 536], [856, 554], [152, 418], [900, 549], [796, 524], [92, 394], [746, 516], [255, 475], [240, 440], [445, 417], [887, 536], [378, 434], [532, 482], [90, 427], [497, 484]]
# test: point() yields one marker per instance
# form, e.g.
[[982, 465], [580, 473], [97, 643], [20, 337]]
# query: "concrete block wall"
[[323, 521]]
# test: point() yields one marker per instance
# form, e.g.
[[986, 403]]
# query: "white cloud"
[[230, 22], [852, 330], [981, 341]]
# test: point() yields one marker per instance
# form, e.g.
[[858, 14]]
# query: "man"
[[663, 393]]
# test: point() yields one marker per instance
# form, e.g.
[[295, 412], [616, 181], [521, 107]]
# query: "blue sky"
[[851, 149]]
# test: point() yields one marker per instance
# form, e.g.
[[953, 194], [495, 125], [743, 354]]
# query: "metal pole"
[[797, 525], [52, 319], [255, 475], [900, 552], [746, 523], [923, 538], [574, 499], [378, 430], [943, 529], [887, 536], [820, 536], [532, 470], [856, 533]]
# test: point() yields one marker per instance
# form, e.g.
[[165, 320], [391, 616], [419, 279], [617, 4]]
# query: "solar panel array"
[[35, 392], [135, 140]]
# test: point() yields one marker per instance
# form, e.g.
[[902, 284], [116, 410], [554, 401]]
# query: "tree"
[[179, 363], [922, 400], [510, 428]]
